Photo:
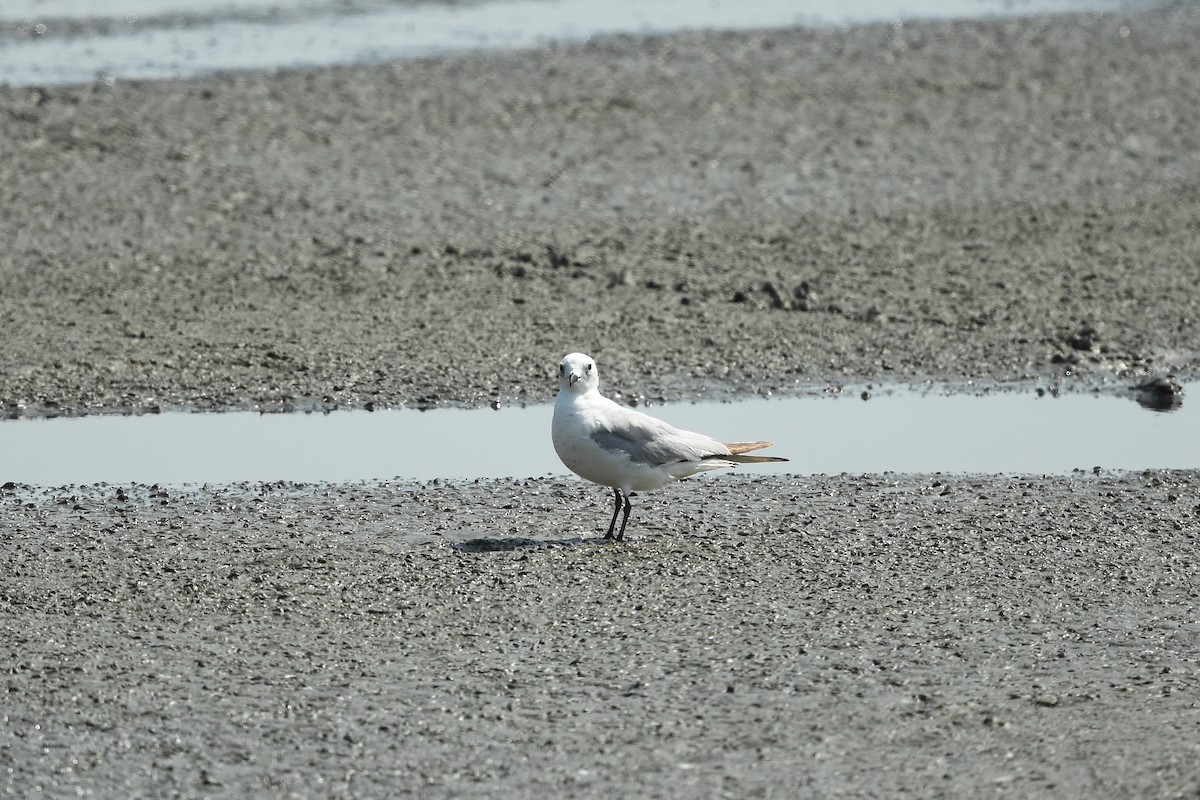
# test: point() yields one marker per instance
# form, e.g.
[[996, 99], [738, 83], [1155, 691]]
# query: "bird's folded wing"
[[650, 441], [736, 449], [737, 458]]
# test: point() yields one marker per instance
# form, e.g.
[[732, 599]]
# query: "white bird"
[[627, 450]]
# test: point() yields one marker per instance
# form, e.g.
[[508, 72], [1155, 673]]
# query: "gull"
[[624, 449]]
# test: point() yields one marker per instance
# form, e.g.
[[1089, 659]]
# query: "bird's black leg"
[[624, 519], [616, 510]]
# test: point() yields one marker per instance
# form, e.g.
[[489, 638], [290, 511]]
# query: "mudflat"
[[706, 214], [711, 213], [777, 637]]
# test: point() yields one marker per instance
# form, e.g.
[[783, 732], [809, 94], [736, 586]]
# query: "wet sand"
[[825, 637], [706, 214], [703, 213]]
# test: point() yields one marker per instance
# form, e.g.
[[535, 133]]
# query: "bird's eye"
[[589, 367], [560, 369]]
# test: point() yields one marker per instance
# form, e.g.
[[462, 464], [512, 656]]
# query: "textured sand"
[[716, 213], [832, 636]]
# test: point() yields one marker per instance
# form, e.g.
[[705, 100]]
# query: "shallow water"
[[896, 430], [79, 41]]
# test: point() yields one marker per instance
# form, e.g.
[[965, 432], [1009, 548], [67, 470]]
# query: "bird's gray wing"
[[649, 441]]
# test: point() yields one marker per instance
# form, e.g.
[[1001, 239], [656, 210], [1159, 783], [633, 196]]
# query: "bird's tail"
[[737, 450]]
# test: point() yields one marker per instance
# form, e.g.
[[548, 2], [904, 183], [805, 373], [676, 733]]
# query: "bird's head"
[[577, 373]]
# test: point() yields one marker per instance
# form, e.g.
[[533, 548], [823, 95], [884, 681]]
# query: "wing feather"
[[650, 441]]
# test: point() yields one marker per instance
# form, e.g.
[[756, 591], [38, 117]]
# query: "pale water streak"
[[78, 41], [902, 431]]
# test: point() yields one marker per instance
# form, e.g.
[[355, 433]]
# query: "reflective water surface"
[[896, 430], [79, 41]]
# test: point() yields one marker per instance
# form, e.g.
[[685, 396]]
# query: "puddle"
[[894, 431], [78, 41]]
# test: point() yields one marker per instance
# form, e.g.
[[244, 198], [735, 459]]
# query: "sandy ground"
[[705, 214], [823, 637], [714, 213]]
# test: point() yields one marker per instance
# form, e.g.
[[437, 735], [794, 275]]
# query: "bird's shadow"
[[504, 544]]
